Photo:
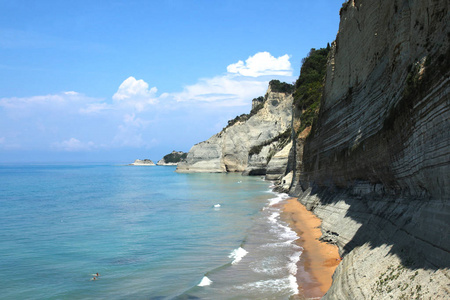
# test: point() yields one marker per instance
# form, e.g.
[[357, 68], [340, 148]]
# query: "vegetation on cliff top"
[[309, 86], [175, 157], [281, 87]]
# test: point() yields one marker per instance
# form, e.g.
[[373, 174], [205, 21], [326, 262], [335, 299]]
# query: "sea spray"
[[205, 281], [237, 255], [279, 198]]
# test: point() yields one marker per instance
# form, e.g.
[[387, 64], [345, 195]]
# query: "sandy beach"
[[318, 259]]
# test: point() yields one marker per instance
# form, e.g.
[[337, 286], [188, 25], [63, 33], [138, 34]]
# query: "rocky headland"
[[363, 141], [172, 159], [250, 140], [142, 162]]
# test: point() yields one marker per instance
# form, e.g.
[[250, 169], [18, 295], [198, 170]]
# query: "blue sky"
[[120, 80]]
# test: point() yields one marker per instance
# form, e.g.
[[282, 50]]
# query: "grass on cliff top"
[[309, 86]]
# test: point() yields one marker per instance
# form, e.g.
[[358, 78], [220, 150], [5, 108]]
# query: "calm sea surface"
[[151, 234]]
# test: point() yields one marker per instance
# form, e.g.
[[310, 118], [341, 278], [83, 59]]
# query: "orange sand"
[[318, 259]]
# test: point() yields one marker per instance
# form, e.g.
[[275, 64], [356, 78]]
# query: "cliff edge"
[[376, 165]]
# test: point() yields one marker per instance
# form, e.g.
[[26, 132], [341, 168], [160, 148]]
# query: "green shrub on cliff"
[[281, 87], [309, 86], [175, 157]]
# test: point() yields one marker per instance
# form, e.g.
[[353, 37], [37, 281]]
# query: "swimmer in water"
[[97, 274]]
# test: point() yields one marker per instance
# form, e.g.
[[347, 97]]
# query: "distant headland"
[[171, 159], [142, 162]]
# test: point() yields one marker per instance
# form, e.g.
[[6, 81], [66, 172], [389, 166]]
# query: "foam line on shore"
[[319, 259]]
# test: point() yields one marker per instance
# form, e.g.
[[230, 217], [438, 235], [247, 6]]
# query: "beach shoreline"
[[318, 259]]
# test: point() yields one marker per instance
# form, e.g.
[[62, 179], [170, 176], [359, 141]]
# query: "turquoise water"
[[151, 234]]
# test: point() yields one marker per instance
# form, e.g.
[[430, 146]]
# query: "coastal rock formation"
[[276, 168], [143, 162], [392, 248], [172, 159], [247, 142], [386, 98], [376, 165]]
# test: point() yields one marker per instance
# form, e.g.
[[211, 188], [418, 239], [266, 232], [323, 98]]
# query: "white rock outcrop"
[[143, 162], [230, 150]]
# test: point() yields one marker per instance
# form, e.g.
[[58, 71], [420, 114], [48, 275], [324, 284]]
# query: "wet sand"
[[319, 259]]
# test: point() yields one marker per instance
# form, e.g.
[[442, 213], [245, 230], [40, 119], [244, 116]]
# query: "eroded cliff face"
[[376, 166], [384, 116], [247, 145]]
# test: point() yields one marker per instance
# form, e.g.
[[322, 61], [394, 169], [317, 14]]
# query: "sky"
[[117, 80]]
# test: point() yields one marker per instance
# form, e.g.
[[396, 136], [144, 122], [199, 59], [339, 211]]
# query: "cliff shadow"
[[417, 230]]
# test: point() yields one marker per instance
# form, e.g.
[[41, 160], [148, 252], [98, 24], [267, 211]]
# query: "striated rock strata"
[[249, 143], [376, 166]]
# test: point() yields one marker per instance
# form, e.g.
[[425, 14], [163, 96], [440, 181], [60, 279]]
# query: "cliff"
[[249, 142], [376, 165]]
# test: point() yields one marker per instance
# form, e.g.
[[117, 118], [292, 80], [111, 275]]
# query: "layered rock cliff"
[[376, 165], [249, 142]]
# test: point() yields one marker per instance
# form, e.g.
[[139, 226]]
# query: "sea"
[[149, 232]]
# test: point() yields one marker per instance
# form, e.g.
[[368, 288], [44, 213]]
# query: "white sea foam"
[[269, 265], [282, 285], [287, 234], [216, 205], [278, 199], [273, 217], [293, 284], [292, 266], [237, 255], [205, 281]]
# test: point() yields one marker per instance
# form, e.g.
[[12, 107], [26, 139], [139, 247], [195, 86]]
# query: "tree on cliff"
[[309, 86]]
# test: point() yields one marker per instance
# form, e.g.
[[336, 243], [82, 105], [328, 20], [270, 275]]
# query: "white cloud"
[[262, 64], [48, 106], [124, 119], [24, 102], [73, 145], [241, 83], [92, 108], [131, 120], [224, 90], [135, 93]]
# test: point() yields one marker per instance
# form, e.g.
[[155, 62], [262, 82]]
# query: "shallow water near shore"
[[151, 234]]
